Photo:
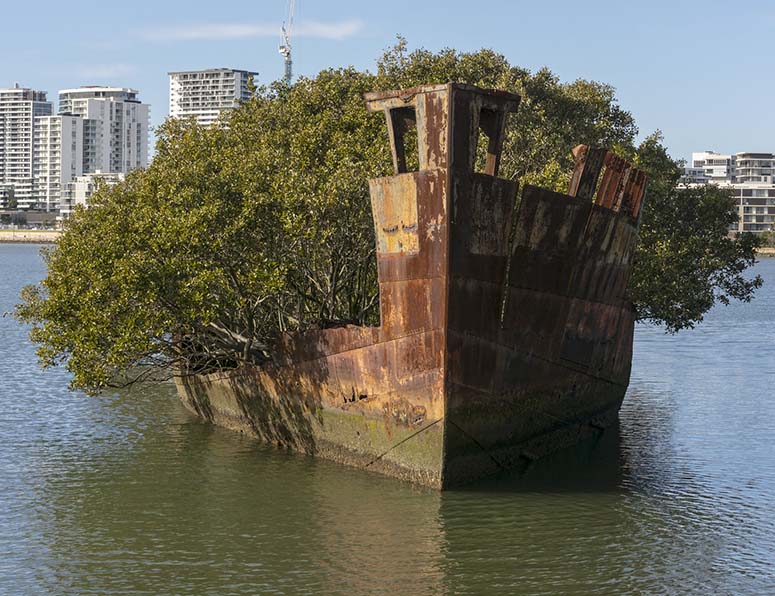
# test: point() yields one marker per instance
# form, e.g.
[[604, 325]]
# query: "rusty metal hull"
[[505, 330]]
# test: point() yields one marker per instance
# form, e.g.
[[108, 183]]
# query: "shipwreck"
[[505, 328]]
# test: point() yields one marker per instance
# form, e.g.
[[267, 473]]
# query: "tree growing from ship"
[[237, 234]]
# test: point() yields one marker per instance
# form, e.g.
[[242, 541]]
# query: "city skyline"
[[657, 64], [94, 131]]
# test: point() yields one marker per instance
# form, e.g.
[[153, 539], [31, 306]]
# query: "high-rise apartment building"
[[205, 94], [57, 158], [98, 130], [750, 178], [19, 108], [115, 127]]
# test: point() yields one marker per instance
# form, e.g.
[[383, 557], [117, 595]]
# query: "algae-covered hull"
[[505, 331]]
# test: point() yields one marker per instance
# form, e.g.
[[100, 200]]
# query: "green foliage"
[[768, 239], [686, 260], [166, 268], [233, 235], [312, 148], [236, 234]]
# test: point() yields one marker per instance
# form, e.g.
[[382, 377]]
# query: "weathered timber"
[[505, 330]]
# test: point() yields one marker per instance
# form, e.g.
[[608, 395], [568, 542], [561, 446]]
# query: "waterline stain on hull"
[[505, 331]]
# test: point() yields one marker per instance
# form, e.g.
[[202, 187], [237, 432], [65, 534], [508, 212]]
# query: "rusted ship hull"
[[505, 330]]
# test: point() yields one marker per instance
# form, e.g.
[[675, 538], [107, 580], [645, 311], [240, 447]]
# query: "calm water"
[[128, 494]]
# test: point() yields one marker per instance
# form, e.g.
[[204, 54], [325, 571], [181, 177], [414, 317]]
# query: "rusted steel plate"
[[429, 260], [589, 163], [394, 205], [432, 130]]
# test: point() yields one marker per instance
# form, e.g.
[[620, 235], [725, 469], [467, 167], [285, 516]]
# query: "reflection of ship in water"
[[505, 331]]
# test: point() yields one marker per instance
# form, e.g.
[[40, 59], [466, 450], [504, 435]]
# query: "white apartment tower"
[[115, 127], [58, 157], [19, 108], [205, 94]]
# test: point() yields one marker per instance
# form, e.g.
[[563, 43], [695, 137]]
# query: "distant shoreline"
[[51, 236], [29, 236]]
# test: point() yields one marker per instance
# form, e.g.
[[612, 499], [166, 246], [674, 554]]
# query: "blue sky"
[[699, 71]]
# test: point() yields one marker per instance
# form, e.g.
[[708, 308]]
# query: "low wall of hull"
[[438, 454], [241, 402], [485, 434]]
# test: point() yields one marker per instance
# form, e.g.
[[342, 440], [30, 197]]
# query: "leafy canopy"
[[236, 234]]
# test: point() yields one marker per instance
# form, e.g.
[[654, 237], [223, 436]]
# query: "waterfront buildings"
[[205, 94], [709, 166], [98, 130], [19, 108], [756, 205], [748, 175]]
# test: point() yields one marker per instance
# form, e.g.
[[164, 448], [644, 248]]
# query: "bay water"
[[128, 493]]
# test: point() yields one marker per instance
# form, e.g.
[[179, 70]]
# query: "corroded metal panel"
[[481, 213], [432, 130], [560, 357], [394, 205]]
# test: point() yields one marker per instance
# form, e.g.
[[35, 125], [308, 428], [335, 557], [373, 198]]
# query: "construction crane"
[[285, 45]]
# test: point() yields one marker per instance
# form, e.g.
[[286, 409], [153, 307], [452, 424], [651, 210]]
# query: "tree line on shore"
[[237, 234]]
